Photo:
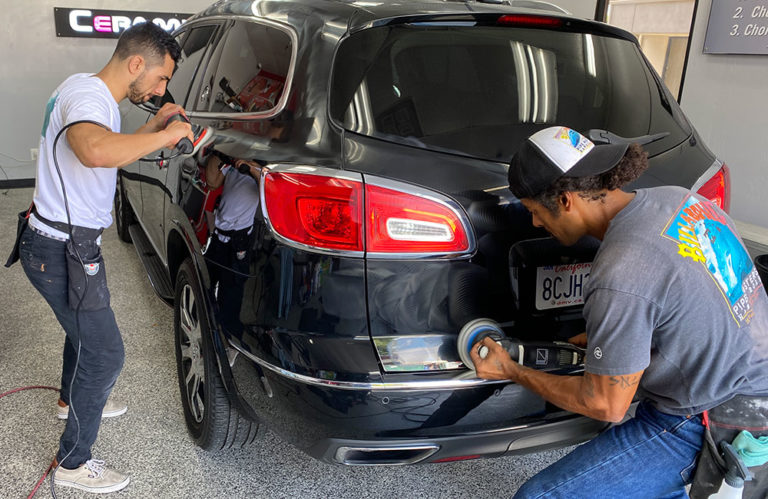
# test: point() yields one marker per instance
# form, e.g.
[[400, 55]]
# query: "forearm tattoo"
[[624, 382]]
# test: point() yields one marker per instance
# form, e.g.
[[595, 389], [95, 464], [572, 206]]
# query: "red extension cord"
[[50, 466]]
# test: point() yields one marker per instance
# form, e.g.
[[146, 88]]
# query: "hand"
[[255, 168], [158, 120], [496, 365], [213, 162], [177, 130], [580, 340]]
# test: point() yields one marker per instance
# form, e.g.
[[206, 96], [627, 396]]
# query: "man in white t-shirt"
[[88, 155]]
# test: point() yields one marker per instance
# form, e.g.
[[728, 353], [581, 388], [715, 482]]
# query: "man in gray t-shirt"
[[675, 313]]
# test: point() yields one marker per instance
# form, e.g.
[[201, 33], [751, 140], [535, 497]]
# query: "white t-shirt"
[[90, 191], [239, 200]]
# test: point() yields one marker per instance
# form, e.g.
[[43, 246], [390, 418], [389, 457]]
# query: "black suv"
[[381, 221]]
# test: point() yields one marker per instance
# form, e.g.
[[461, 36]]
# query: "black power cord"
[[159, 160], [72, 411]]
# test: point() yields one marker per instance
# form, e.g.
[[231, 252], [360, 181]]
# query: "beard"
[[135, 95]]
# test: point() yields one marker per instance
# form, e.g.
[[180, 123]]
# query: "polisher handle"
[[184, 145]]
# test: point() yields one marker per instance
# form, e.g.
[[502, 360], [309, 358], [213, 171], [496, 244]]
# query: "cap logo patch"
[[564, 148], [575, 139]]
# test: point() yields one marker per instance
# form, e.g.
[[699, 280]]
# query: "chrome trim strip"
[[315, 170], [288, 78], [309, 170], [428, 450], [464, 379], [711, 171]]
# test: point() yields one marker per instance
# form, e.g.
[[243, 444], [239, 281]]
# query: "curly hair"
[[630, 167]]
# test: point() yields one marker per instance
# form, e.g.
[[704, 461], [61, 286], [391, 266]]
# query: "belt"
[[46, 234], [226, 235], [78, 231], [233, 232]]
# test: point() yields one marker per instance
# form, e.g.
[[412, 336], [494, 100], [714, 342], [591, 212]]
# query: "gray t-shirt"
[[239, 200], [674, 292]]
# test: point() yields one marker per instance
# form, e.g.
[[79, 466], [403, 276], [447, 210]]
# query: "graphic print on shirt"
[[703, 235], [48, 111]]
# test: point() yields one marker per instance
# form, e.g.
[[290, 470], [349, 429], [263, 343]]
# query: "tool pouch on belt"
[[20, 226], [725, 422], [86, 272]]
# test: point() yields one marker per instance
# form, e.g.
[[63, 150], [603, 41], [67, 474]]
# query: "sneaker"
[[93, 477], [111, 409]]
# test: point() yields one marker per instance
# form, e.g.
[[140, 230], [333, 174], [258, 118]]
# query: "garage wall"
[[724, 97], [34, 61], [579, 8]]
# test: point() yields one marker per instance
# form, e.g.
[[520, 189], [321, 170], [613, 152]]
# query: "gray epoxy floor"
[[150, 442]]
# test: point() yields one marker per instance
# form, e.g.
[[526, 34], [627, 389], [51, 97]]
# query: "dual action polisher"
[[544, 355], [202, 135]]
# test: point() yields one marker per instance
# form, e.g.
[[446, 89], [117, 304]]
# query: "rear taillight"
[[315, 210], [718, 189], [330, 213], [529, 21], [399, 222]]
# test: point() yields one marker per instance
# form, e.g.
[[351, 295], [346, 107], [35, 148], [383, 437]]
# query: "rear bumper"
[[523, 440], [405, 420]]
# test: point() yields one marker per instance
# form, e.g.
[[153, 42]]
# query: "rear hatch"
[[443, 103]]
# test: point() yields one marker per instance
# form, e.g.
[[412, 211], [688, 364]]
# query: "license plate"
[[561, 285]]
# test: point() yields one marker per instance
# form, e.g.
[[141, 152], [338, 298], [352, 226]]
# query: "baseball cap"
[[556, 152]]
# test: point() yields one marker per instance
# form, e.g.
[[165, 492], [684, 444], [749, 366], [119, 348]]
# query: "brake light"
[[399, 222], [530, 21], [329, 213], [718, 189], [315, 210]]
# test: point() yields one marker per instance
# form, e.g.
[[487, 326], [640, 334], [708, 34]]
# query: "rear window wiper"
[[605, 137]]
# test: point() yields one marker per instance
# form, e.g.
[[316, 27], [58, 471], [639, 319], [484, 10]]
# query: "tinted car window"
[[193, 44], [253, 62], [481, 90]]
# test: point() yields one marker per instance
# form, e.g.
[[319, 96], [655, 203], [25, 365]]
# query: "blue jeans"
[[653, 455], [101, 346]]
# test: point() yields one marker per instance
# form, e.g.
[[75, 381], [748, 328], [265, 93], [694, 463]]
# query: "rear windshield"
[[480, 91]]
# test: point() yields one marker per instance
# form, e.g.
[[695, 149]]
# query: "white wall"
[[33, 61], [724, 96], [579, 8], [663, 17]]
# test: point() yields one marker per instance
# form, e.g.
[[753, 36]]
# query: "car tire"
[[211, 420], [123, 214]]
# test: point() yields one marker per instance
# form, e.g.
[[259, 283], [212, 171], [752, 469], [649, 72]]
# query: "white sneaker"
[[111, 409], [92, 477]]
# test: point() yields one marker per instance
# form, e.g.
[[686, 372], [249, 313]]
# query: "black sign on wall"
[[93, 23], [737, 27]]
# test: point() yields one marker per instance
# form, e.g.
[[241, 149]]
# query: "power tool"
[[202, 135], [543, 355]]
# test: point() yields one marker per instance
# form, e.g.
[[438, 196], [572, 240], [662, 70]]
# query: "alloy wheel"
[[192, 361]]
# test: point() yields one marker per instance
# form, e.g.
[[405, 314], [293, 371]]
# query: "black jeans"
[[101, 346]]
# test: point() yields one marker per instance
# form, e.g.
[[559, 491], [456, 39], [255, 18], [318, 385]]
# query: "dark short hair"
[[631, 166], [148, 40]]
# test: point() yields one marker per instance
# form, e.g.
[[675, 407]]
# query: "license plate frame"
[[561, 286]]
